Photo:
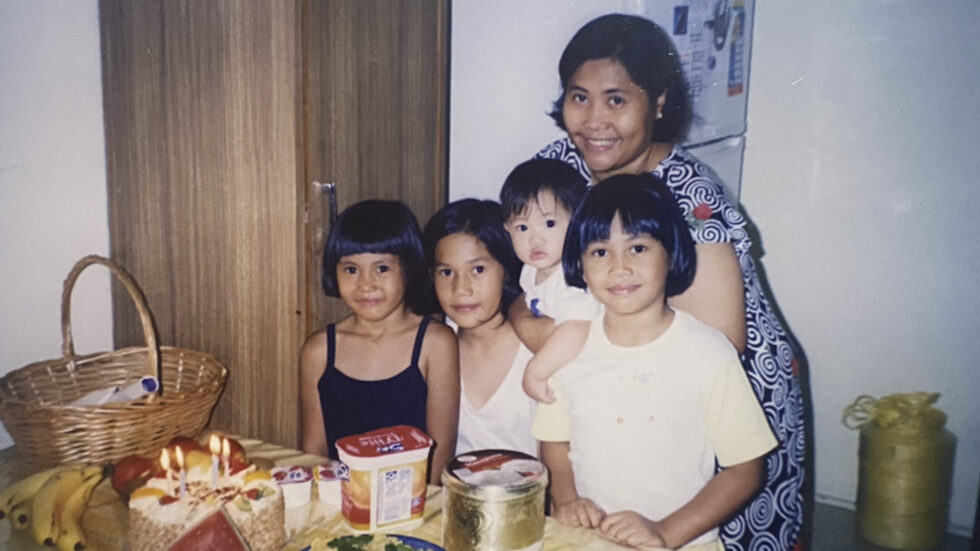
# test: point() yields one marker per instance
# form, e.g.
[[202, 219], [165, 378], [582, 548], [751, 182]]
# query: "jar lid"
[[501, 473]]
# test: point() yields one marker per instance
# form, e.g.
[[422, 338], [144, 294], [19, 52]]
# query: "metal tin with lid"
[[493, 500]]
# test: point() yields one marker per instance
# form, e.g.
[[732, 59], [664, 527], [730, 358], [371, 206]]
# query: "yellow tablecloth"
[[106, 520]]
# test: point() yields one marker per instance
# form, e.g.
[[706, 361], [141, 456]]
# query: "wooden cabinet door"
[[377, 112], [203, 169], [218, 115]]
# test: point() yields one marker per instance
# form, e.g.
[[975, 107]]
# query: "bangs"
[[638, 213], [645, 205], [374, 240], [378, 227]]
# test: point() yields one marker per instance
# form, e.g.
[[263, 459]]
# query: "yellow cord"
[[905, 469]]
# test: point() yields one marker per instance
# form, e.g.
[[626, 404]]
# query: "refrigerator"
[[713, 39], [504, 79]]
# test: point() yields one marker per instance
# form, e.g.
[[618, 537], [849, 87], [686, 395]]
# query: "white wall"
[[52, 180], [860, 172], [503, 80]]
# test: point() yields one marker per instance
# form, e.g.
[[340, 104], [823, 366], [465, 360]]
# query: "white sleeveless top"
[[505, 420]]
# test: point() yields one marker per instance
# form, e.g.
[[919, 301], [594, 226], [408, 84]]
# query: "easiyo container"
[[384, 475], [494, 501], [328, 482], [296, 483]]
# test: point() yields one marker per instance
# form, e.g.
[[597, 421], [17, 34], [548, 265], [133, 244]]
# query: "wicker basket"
[[47, 431]]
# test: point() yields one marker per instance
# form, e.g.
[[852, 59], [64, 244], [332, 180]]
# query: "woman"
[[475, 272], [624, 107]]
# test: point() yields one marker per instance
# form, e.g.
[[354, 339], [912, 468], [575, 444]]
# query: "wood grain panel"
[[218, 116], [377, 112], [202, 106]]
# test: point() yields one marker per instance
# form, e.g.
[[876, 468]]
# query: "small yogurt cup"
[[327, 477], [296, 483]]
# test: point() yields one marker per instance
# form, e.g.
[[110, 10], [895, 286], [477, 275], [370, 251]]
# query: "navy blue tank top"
[[352, 406]]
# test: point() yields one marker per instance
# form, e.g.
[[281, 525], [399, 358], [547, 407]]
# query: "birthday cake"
[[171, 506]]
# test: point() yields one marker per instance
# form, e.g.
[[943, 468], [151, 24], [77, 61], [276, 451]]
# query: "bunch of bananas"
[[51, 504]]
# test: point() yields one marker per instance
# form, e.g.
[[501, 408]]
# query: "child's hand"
[[537, 388], [631, 528], [579, 512]]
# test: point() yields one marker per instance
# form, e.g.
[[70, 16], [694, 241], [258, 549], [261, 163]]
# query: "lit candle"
[[215, 445], [183, 473], [225, 455], [165, 463]]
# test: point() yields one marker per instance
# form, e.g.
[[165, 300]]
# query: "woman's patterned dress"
[[774, 519]]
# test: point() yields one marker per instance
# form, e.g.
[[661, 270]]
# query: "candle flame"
[[165, 459], [215, 444], [180, 458], [225, 449]]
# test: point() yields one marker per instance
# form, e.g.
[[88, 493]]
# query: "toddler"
[[538, 198]]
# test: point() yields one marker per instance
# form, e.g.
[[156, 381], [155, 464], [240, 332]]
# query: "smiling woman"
[[624, 105]]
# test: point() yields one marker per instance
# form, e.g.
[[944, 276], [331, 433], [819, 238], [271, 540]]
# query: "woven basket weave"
[[47, 431]]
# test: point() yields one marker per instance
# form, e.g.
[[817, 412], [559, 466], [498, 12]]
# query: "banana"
[[24, 489], [69, 516], [44, 512], [20, 516]]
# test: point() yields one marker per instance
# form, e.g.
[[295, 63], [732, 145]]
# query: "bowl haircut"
[[484, 220], [530, 178], [645, 50], [379, 226], [645, 206]]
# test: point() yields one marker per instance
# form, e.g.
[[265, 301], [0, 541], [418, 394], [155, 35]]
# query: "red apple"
[[131, 472], [185, 444], [237, 459]]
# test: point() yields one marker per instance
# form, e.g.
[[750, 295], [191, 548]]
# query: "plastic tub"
[[384, 475]]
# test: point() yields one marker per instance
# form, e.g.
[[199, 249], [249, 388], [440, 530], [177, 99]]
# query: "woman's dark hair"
[[645, 206], [377, 226], [646, 52], [484, 220], [530, 178]]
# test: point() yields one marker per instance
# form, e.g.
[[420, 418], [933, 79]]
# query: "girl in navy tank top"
[[384, 364]]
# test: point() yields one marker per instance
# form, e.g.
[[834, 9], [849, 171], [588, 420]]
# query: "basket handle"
[[146, 319]]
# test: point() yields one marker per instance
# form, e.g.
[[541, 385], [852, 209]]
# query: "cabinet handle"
[[329, 188]]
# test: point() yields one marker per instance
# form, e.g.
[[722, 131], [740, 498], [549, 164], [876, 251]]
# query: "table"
[[106, 520]]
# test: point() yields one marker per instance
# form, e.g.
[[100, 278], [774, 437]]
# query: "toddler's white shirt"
[[555, 298]]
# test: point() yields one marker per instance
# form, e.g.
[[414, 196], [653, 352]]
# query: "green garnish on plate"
[[366, 542]]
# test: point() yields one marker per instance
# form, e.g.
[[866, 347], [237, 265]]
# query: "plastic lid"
[[504, 469], [149, 384], [381, 442]]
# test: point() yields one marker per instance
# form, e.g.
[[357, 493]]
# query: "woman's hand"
[[633, 529], [579, 512]]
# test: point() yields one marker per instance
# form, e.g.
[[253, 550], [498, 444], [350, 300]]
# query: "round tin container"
[[493, 501]]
